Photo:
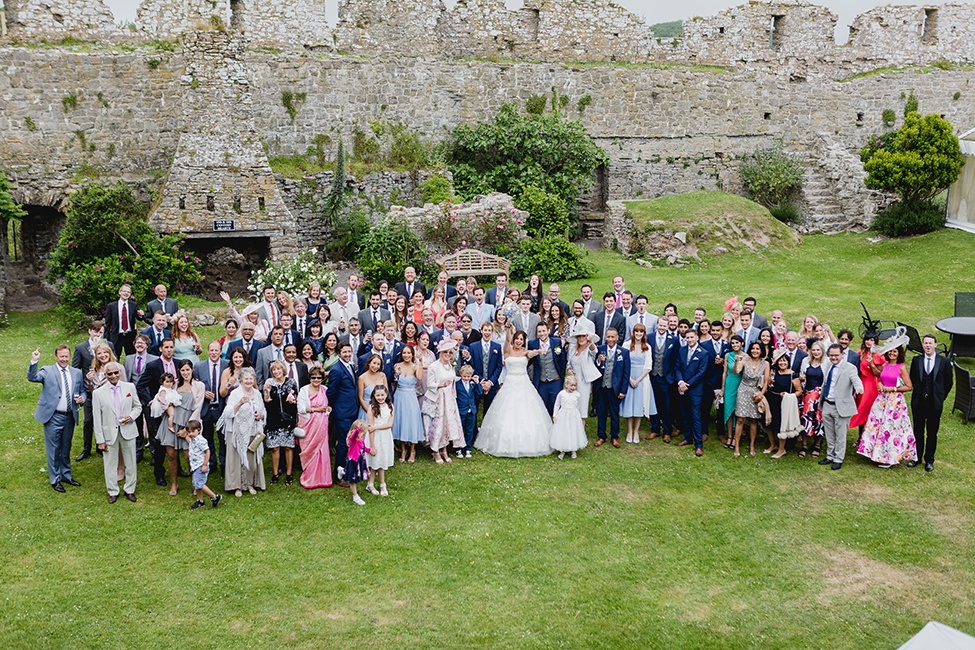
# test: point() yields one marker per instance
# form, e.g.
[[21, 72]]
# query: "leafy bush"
[[515, 151], [771, 176], [106, 241], [536, 104], [389, 247], [335, 200], [293, 275], [493, 232], [911, 218], [876, 142], [547, 214], [436, 189], [9, 211], [889, 117], [554, 258], [348, 231], [924, 160], [786, 213], [911, 105]]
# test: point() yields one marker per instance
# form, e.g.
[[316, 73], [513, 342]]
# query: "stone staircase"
[[834, 197]]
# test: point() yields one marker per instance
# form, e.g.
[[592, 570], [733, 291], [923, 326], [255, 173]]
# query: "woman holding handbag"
[[281, 402], [243, 425]]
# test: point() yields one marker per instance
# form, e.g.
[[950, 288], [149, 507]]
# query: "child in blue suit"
[[469, 391]]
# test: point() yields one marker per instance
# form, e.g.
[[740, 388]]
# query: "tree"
[[9, 211], [515, 151], [335, 201], [923, 160]]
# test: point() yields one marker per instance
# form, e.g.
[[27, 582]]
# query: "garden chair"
[[964, 304], [914, 345], [964, 388]]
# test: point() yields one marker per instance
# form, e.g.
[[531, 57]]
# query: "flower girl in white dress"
[[568, 433]]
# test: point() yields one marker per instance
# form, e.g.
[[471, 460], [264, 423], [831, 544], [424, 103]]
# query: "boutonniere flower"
[[558, 349]]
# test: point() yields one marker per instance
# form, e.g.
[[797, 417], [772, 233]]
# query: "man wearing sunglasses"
[[116, 409]]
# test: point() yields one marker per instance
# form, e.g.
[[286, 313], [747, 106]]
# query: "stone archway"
[[37, 236]]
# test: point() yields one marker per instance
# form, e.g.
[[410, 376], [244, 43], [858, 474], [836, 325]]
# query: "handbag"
[[299, 433], [256, 442]]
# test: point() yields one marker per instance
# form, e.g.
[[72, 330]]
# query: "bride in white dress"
[[518, 424]]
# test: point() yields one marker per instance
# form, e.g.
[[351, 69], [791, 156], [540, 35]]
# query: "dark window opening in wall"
[[15, 247], [721, 30], [58, 18], [859, 118], [797, 79], [182, 203], [237, 14], [719, 155], [260, 203], [237, 204], [778, 32], [929, 27], [533, 21], [768, 116], [210, 205]]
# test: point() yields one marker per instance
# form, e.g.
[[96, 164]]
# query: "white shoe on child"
[[573, 454], [468, 454], [356, 499], [561, 455], [460, 453], [340, 472], [372, 489], [382, 490]]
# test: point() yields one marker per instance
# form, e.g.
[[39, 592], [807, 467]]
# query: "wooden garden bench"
[[473, 262]]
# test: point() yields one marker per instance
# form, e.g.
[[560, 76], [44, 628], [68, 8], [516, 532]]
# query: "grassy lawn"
[[644, 547]]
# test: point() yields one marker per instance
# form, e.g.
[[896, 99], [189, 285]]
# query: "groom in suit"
[[116, 409], [692, 365], [931, 378], [486, 359], [614, 362], [209, 372], [120, 319], [838, 405], [341, 394], [526, 320], [548, 368], [62, 391], [663, 376]]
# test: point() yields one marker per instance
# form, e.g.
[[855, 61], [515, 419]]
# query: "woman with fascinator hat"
[[888, 436]]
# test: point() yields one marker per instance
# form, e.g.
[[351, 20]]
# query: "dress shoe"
[[913, 463], [826, 461], [598, 443], [652, 435], [616, 443], [836, 466], [666, 439], [342, 483], [130, 497], [683, 443], [71, 482], [929, 467], [112, 498], [58, 487], [180, 473], [161, 482], [139, 456], [83, 455], [698, 452]]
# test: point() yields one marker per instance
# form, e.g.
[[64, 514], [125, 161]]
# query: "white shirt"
[[64, 377], [829, 389], [929, 364], [123, 326]]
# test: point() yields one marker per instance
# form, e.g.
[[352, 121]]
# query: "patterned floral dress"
[[888, 437]]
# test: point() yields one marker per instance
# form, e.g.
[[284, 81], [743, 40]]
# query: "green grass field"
[[642, 547]]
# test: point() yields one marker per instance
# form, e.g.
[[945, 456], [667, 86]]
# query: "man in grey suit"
[[373, 316], [578, 309], [269, 353], [116, 407], [748, 331], [590, 306], [838, 405], [135, 365], [526, 320], [354, 336], [84, 354], [641, 317], [161, 303], [270, 311], [758, 321], [62, 391]]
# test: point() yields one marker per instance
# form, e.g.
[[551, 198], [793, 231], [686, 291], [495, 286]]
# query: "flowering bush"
[[388, 248], [493, 232], [294, 275], [106, 242]]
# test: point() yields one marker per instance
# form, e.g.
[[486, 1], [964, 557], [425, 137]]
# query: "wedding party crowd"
[[356, 384]]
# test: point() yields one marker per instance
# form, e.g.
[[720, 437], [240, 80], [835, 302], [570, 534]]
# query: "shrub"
[[771, 176], [335, 200], [436, 189], [514, 151], [911, 218], [553, 258], [876, 142], [106, 241], [547, 214], [925, 159], [889, 117], [493, 232], [536, 104], [348, 231], [786, 213], [390, 246], [293, 275], [911, 105], [9, 210]]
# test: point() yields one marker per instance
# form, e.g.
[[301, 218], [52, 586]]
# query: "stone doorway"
[[228, 262], [34, 240]]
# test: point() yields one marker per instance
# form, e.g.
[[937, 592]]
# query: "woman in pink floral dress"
[[888, 437]]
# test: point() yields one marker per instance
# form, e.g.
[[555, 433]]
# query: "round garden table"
[[962, 330]]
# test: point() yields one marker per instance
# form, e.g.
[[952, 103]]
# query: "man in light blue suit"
[[692, 365], [342, 396], [57, 409]]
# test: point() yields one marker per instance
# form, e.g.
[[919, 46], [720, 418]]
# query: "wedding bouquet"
[[510, 310]]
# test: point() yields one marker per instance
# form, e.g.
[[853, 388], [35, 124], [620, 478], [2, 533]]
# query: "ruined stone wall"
[[378, 27], [901, 35], [166, 19], [287, 26], [55, 20]]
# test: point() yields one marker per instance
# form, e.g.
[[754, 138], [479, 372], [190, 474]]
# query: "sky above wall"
[[654, 11]]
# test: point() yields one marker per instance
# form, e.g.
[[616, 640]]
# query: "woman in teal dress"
[[730, 391], [185, 339]]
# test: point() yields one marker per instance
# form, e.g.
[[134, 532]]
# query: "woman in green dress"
[[729, 393]]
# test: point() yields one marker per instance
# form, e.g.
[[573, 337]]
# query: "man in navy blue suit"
[[692, 365], [548, 367], [247, 341], [486, 358], [209, 371], [379, 348], [716, 349], [341, 394], [663, 375], [158, 331], [614, 362]]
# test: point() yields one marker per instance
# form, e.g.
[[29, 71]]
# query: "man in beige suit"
[[115, 408], [838, 405]]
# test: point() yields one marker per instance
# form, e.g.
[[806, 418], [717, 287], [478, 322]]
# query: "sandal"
[[288, 480], [802, 453], [274, 479], [815, 453]]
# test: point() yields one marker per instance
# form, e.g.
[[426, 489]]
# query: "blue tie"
[[829, 381]]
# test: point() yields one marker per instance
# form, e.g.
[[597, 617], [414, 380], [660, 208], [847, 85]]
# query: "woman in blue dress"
[[368, 380], [638, 402], [408, 422]]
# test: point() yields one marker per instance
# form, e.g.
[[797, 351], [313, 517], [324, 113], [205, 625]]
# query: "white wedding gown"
[[518, 424]]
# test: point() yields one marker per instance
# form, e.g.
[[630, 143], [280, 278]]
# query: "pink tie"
[[117, 397]]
